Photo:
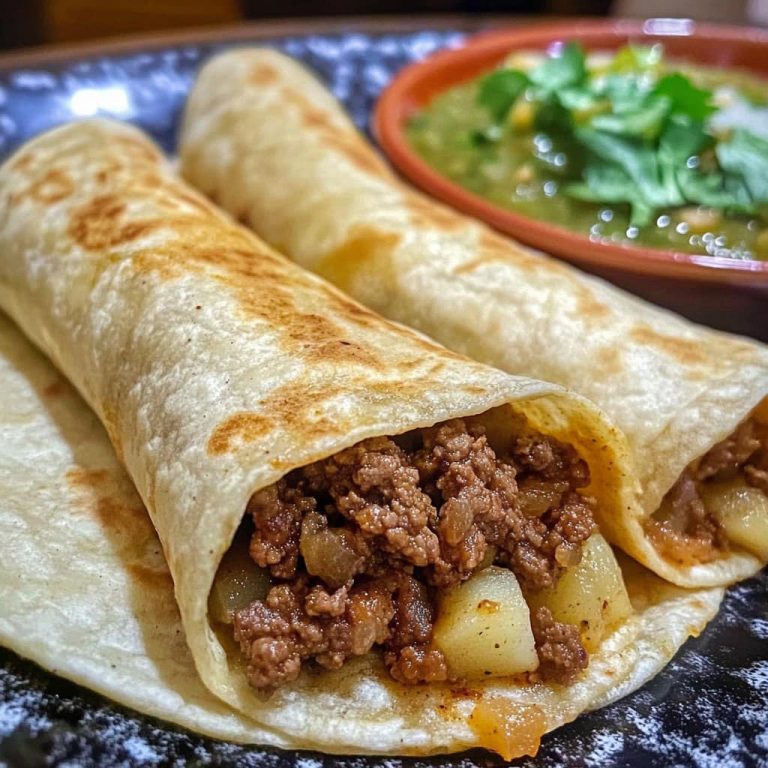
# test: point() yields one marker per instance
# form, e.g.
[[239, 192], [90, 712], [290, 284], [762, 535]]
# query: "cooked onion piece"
[[590, 595], [484, 628], [742, 510], [238, 583]]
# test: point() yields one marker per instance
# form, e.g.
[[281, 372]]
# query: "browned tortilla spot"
[[608, 360], [54, 186], [683, 350], [80, 477], [96, 225], [322, 340], [588, 305], [23, 161], [262, 74], [236, 431], [296, 405], [342, 139]]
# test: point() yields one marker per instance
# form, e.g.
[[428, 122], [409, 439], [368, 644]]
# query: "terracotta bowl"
[[742, 304]]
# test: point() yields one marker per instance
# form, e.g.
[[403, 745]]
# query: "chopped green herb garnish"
[[640, 132]]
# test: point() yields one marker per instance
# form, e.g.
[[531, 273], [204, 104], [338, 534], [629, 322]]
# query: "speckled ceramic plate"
[[709, 707]]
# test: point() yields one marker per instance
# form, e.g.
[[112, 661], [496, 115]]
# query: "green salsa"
[[622, 148]]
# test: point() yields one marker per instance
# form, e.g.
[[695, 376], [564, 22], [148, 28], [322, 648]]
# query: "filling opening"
[[457, 559], [720, 499]]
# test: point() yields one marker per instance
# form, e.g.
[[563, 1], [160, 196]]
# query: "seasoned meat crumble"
[[683, 530], [358, 544]]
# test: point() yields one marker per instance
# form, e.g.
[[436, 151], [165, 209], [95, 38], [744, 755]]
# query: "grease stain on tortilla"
[[366, 249]]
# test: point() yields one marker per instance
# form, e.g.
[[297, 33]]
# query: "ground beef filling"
[[358, 544], [683, 530]]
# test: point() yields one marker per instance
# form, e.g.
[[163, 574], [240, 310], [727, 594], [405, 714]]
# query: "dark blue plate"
[[709, 707]]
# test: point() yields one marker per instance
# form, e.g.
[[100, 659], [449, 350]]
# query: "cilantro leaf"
[[645, 121], [560, 71], [639, 161], [686, 99], [500, 90], [746, 155]]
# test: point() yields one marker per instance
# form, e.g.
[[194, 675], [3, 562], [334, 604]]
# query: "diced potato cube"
[[590, 595], [238, 582], [743, 512], [484, 627]]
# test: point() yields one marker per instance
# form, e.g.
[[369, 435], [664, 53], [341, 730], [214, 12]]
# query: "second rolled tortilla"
[[271, 145]]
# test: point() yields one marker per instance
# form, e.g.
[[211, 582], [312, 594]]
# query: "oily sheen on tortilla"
[[217, 367], [86, 593], [264, 139]]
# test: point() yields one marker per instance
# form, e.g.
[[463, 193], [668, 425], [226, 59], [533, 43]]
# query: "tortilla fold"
[[264, 139], [216, 367]]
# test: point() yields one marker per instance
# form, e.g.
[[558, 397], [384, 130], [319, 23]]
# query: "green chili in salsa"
[[623, 147]]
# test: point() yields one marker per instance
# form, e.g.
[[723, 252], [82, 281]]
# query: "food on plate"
[[268, 142], [328, 488], [625, 146]]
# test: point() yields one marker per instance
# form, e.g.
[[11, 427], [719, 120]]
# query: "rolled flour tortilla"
[[264, 139], [86, 593], [217, 368]]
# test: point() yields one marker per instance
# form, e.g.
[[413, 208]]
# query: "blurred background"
[[36, 22]]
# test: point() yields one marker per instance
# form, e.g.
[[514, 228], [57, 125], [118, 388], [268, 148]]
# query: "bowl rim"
[[397, 102]]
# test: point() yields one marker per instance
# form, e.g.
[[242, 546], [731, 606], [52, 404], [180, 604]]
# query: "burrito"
[[266, 141], [376, 545], [85, 590]]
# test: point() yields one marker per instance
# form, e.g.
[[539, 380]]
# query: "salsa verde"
[[620, 147]]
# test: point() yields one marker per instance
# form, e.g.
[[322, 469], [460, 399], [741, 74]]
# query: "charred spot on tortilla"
[[720, 500], [427, 546]]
